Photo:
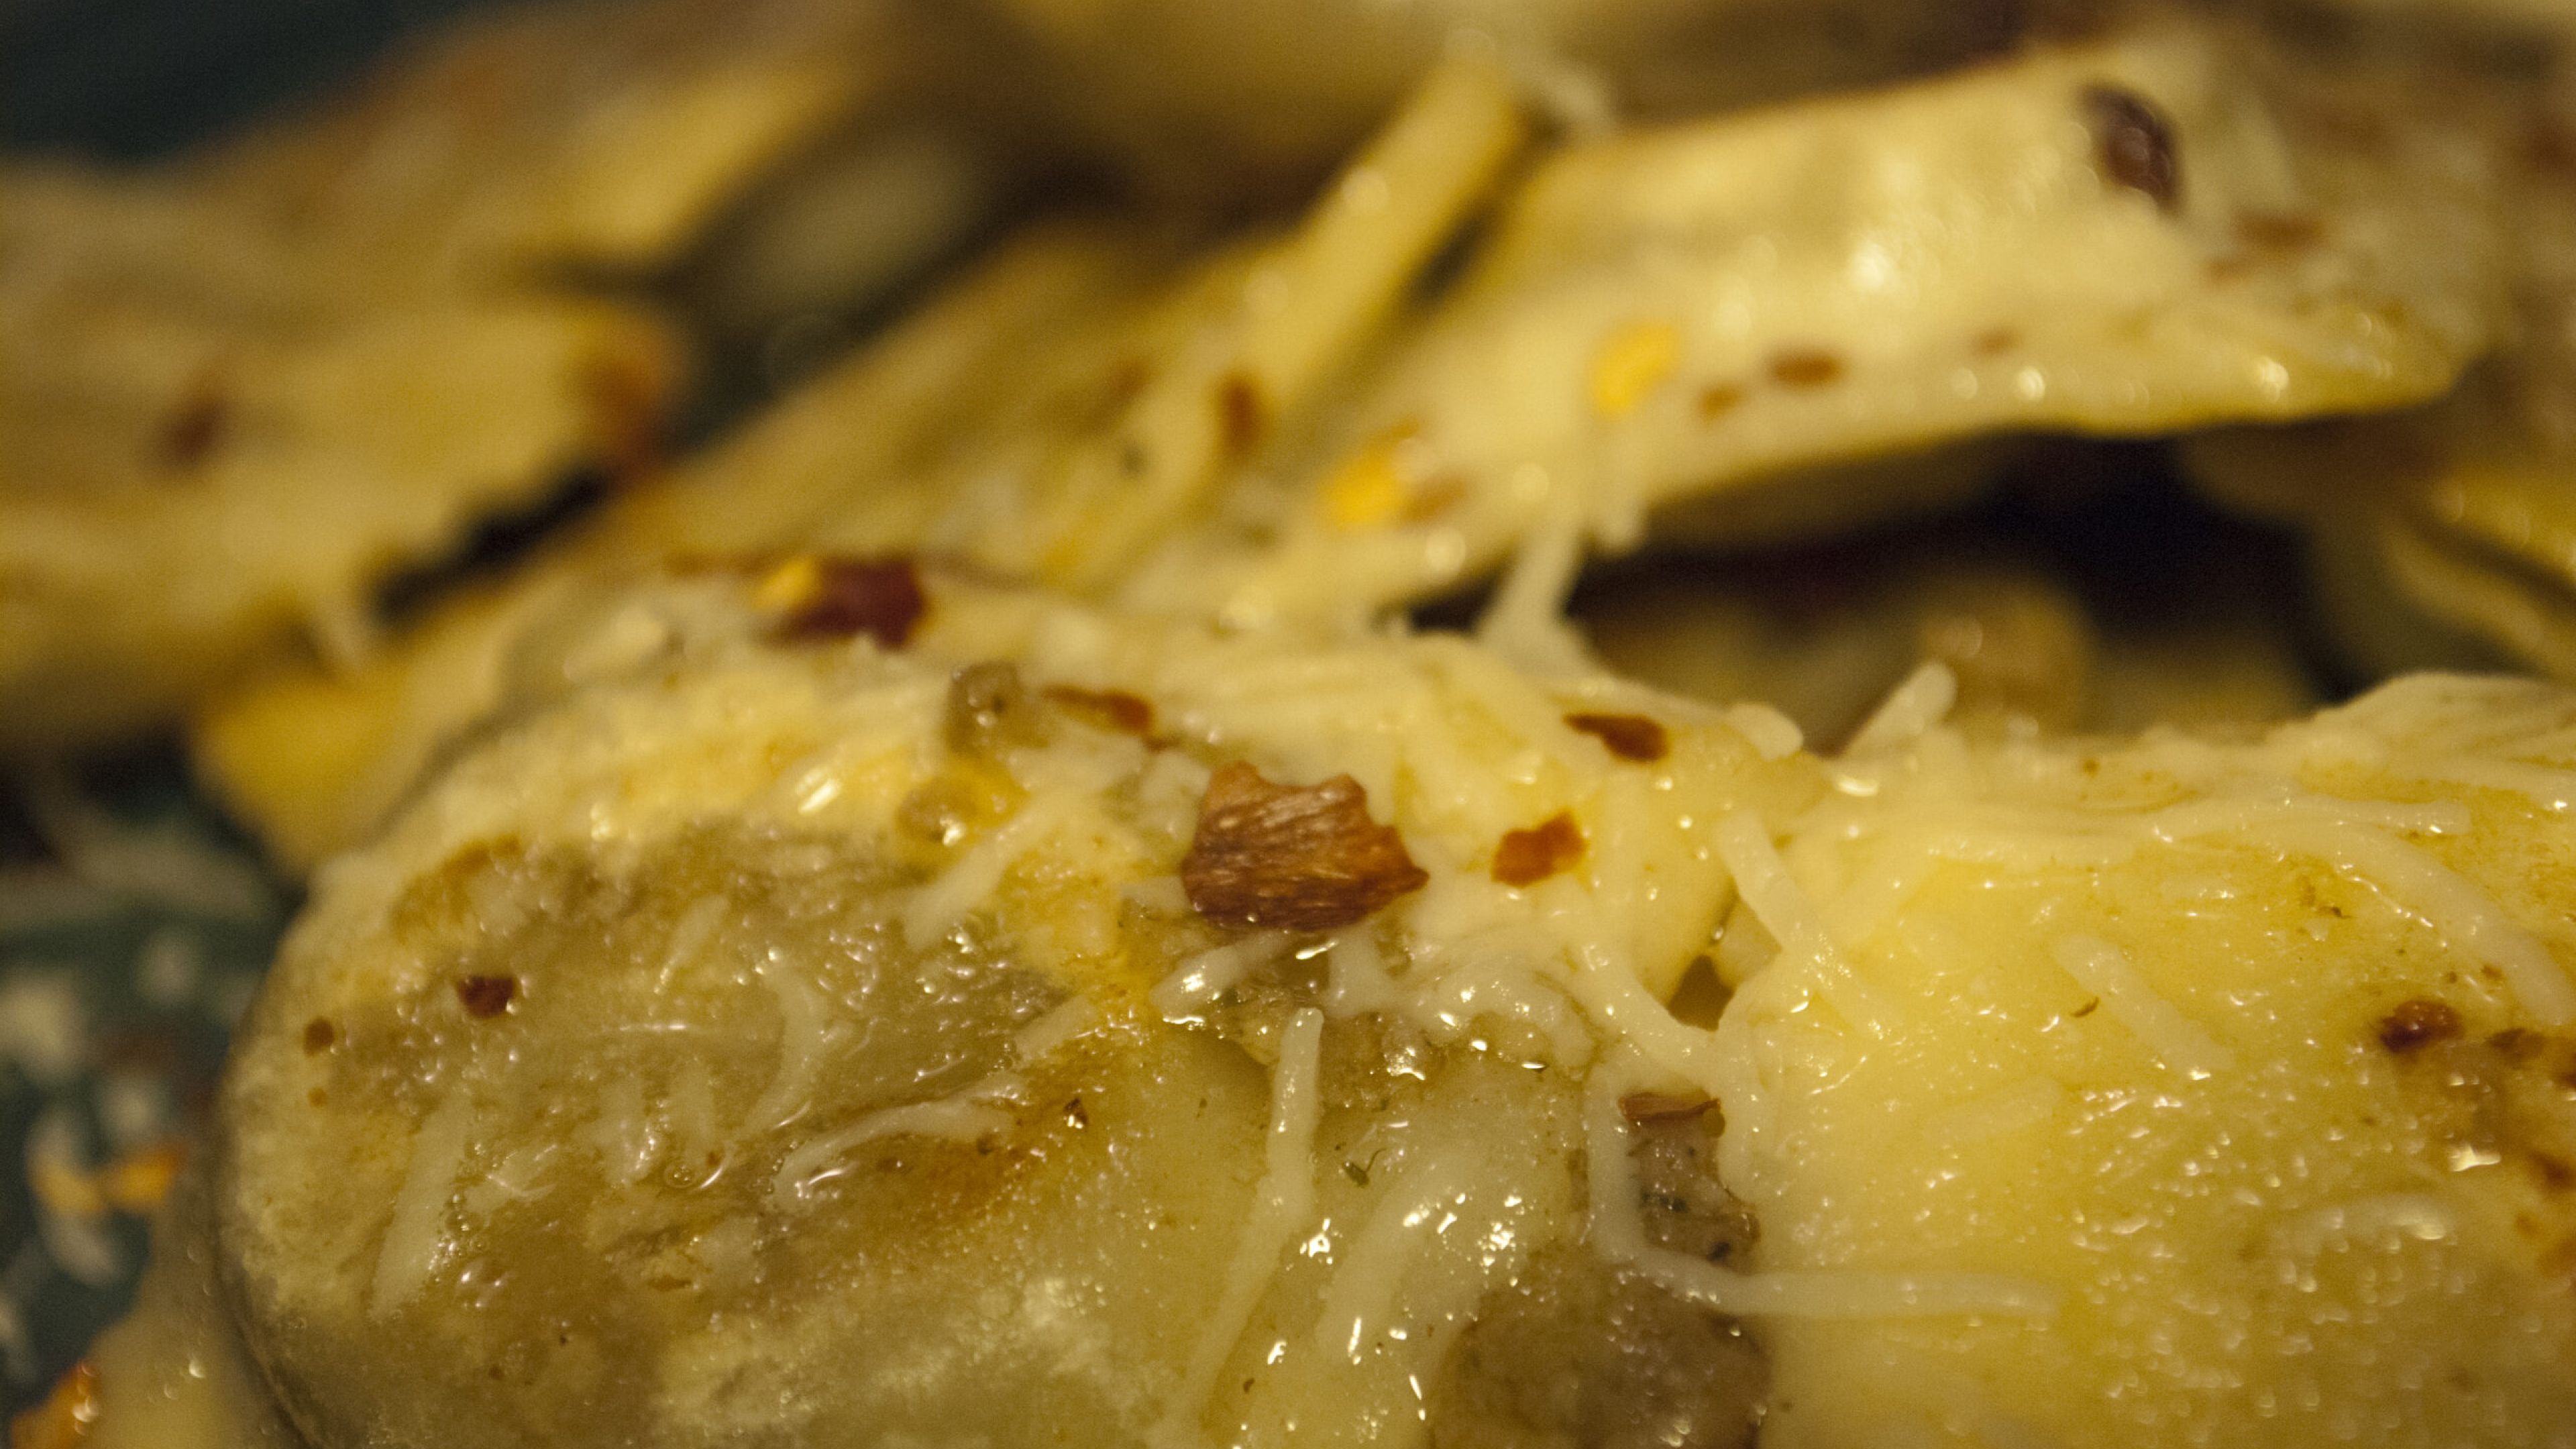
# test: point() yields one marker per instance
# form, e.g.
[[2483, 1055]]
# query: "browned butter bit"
[[842, 598], [1111, 709], [1292, 857], [2134, 143], [318, 1036], [1527, 857], [1629, 736], [486, 996], [2417, 1024]]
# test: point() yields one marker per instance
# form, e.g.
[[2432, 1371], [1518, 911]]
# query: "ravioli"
[[589, 136], [783, 1038], [243, 389], [1078, 396], [2249, 1054], [187, 475], [1824, 634], [2140, 235], [940, 1009]]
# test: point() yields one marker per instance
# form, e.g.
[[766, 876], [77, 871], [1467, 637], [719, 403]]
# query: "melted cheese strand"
[[1202, 978], [804, 1030], [1357, 979], [1910, 711], [1362, 1294], [2178, 1041], [1842, 1293], [1784, 910], [2465, 916], [1060, 1024], [1281, 1205], [960, 1118], [971, 881], [416, 1232]]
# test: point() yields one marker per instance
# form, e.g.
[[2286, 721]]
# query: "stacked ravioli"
[[1086, 875]]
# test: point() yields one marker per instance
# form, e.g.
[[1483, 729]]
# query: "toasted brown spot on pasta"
[[2279, 231], [1719, 399], [195, 426], [1526, 857], [1242, 413], [1629, 736], [1298, 858], [2417, 1024], [485, 997], [2134, 144], [1111, 709], [318, 1035], [1806, 367], [1662, 1107]]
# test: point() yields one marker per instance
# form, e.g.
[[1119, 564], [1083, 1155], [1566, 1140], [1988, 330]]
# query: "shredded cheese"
[[2176, 1039], [1785, 910], [416, 1232], [1911, 710], [804, 1034], [961, 1118], [1202, 978], [1281, 1204], [971, 880]]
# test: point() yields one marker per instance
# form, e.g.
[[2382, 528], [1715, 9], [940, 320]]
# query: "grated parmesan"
[[1910, 711], [1786, 911], [961, 1118], [1282, 1202], [804, 1034], [2178, 1041], [416, 1232]]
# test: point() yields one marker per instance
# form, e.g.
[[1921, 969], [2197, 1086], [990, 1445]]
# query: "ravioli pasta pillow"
[[854, 996], [1075, 397], [816, 1037], [2154, 232]]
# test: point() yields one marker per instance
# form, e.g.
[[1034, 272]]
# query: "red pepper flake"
[[1111, 709], [195, 426], [1629, 736], [1643, 1107], [486, 996], [2134, 144], [1806, 367], [1527, 857], [318, 1036], [1292, 857], [1242, 414], [2417, 1024], [841, 598]]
